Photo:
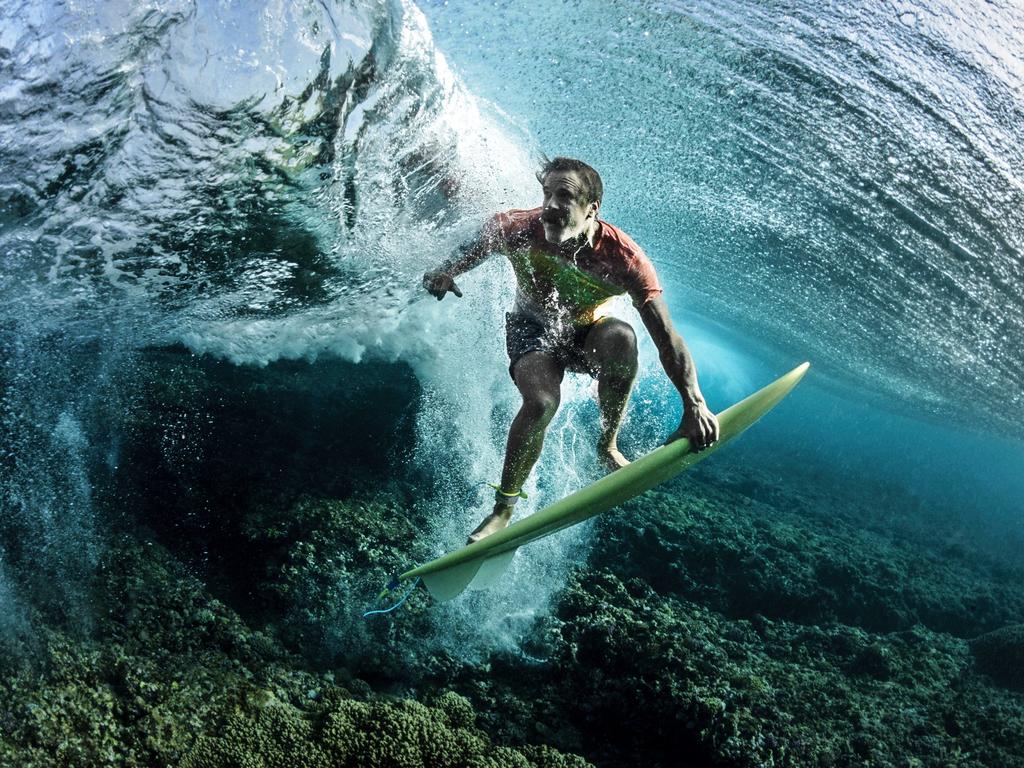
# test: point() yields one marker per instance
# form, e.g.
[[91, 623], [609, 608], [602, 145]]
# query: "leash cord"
[[396, 605]]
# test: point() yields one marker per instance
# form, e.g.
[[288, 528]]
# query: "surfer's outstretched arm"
[[699, 424], [440, 281]]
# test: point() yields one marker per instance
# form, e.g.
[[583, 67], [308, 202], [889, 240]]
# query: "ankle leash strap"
[[509, 499]]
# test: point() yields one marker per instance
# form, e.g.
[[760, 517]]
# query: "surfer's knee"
[[536, 369], [614, 347], [539, 379], [540, 405]]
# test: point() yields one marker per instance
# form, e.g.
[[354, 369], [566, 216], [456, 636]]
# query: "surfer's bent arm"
[[699, 423], [675, 355]]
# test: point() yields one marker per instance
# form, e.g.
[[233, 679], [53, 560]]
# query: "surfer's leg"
[[610, 350], [538, 376], [539, 379]]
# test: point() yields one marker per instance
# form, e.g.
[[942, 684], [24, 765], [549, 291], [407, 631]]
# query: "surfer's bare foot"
[[496, 521], [611, 457]]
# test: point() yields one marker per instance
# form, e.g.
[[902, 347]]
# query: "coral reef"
[[721, 620], [343, 732], [321, 557], [174, 677], [1000, 654], [632, 677], [677, 679], [742, 557], [703, 630], [622, 673]]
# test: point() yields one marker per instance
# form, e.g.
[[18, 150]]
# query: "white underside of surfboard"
[[482, 573], [491, 570], [450, 582]]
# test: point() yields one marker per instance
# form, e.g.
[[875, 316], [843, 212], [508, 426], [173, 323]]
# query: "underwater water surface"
[[230, 412]]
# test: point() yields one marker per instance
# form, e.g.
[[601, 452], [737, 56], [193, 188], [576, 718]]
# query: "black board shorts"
[[525, 334]]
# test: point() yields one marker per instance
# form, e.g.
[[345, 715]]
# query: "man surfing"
[[567, 264]]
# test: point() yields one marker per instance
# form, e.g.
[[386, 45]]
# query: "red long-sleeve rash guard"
[[556, 289]]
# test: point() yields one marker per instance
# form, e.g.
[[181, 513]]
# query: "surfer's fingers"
[[705, 434], [455, 289], [707, 429]]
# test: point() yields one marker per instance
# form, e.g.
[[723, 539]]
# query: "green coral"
[[644, 678], [456, 709], [1000, 654], [403, 735], [174, 677], [274, 735], [378, 734], [742, 557]]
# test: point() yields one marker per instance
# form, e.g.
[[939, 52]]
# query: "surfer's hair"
[[593, 189]]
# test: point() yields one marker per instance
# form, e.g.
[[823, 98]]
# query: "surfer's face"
[[565, 215]]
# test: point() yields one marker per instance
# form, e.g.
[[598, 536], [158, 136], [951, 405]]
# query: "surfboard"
[[481, 564]]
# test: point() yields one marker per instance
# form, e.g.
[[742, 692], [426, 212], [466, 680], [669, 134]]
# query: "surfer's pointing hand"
[[439, 283]]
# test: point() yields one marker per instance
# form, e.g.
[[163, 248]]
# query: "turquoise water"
[[213, 222], [839, 184]]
